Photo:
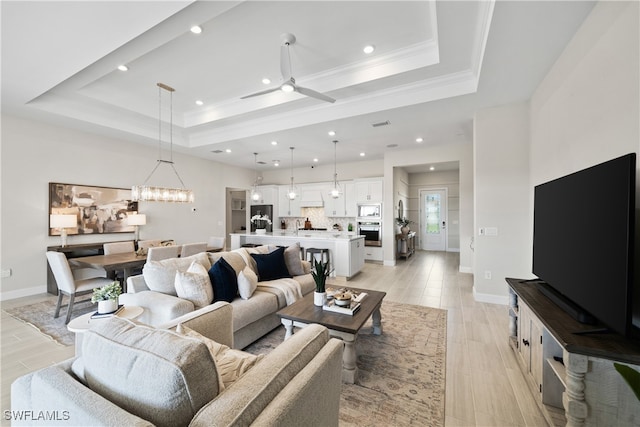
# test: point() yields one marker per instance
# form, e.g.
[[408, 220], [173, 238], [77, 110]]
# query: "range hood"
[[311, 199]]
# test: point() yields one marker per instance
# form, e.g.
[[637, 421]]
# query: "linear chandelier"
[[148, 193]]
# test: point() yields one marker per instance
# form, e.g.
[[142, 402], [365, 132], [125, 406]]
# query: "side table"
[[82, 323]]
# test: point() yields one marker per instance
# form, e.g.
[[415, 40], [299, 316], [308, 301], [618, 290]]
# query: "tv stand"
[[567, 305], [570, 374]]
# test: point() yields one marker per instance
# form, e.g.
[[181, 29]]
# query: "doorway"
[[433, 219]]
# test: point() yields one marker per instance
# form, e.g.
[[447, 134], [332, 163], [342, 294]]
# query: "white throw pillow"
[[247, 283], [194, 285], [231, 364]]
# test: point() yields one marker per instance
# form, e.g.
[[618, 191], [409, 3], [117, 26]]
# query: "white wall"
[[460, 152], [501, 193], [34, 154], [585, 111]]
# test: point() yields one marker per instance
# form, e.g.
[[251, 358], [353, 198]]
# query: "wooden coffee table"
[[344, 326]]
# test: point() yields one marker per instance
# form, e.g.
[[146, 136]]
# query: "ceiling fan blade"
[[285, 62], [262, 92], [313, 94]]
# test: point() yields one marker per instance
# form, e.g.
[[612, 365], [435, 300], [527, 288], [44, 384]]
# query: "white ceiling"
[[434, 65]]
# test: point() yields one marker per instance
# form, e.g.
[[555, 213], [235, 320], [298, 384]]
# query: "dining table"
[[125, 262]]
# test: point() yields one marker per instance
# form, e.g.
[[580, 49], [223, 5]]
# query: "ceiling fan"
[[289, 83]]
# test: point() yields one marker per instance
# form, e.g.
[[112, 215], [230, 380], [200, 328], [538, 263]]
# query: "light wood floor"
[[484, 386]]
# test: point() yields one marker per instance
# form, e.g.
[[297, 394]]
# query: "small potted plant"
[[107, 297], [320, 272], [404, 224]]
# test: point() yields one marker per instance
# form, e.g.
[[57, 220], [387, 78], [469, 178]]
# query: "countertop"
[[306, 234]]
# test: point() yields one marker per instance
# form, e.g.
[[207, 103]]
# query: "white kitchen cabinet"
[[373, 253], [287, 208], [350, 204], [268, 195], [369, 190], [340, 207], [348, 258]]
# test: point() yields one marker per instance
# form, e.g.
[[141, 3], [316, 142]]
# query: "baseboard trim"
[[490, 298], [463, 269], [26, 292]]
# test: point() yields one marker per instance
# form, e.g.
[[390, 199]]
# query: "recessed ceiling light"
[[432, 168], [228, 150], [123, 67], [276, 163], [196, 29], [332, 133], [369, 49], [274, 142], [315, 160], [362, 154], [199, 102], [266, 81], [419, 139]]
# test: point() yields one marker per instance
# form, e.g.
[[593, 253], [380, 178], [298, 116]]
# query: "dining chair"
[[162, 252], [216, 242], [193, 248], [66, 283], [118, 247]]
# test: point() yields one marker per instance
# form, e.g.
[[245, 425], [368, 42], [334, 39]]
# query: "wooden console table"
[[571, 375], [405, 244]]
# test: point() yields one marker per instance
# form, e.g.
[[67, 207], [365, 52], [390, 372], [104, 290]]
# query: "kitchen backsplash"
[[318, 220]]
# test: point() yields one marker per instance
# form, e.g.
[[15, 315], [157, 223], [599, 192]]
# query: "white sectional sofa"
[[154, 290], [136, 375]]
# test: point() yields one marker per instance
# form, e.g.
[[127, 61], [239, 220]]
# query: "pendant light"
[[255, 194], [292, 194], [149, 193], [335, 191]]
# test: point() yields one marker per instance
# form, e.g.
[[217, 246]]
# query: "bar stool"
[[321, 252]]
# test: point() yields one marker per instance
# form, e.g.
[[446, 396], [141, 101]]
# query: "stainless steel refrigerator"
[[262, 210]]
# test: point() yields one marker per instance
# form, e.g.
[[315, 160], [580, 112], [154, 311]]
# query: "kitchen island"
[[346, 250]]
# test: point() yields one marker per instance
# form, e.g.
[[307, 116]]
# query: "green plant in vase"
[[107, 297], [320, 271]]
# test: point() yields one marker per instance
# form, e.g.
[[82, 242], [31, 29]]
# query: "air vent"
[[385, 123], [260, 162], [392, 145], [216, 151]]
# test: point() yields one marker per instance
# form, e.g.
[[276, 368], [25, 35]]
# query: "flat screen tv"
[[583, 242]]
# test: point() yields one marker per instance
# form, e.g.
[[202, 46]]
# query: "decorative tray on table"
[[343, 301]]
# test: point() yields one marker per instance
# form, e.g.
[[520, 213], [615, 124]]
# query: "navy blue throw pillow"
[[224, 280], [271, 266]]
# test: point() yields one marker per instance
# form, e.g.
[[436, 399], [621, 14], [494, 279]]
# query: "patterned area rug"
[[401, 373], [40, 316]]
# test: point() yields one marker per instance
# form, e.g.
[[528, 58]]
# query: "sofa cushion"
[[247, 283], [194, 285], [270, 377], [231, 363], [293, 260], [224, 281], [245, 253], [160, 276], [247, 311], [155, 374], [271, 266]]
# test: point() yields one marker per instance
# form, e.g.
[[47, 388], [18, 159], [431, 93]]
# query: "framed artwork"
[[99, 210]]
